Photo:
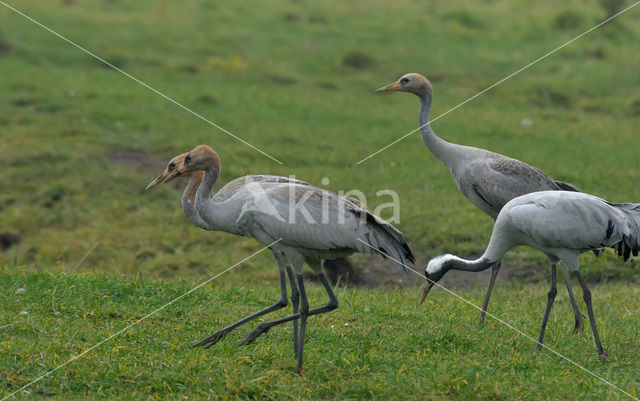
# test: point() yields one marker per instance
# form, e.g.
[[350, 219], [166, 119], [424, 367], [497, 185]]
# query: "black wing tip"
[[408, 253], [395, 234], [626, 248], [565, 186]]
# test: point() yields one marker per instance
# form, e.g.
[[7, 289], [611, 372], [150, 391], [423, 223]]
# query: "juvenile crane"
[[561, 224], [489, 180], [189, 195], [195, 179], [301, 223], [190, 212]]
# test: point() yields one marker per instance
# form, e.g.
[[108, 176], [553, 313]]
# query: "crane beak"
[[175, 173], [425, 290], [389, 88], [158, 180]]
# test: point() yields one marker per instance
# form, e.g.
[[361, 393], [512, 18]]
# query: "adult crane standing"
[[489, 180], [562, 225], [300, 223]]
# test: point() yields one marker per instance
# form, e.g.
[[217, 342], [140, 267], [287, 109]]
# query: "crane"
[[190, 212], [299, 222], [561, 224], [489, 180]]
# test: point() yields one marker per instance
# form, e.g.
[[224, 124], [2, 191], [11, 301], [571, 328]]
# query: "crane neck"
[[477, 265], [500, 242], [189, 199], [195, 179], [437, 146], [216, 215], [203, 193]]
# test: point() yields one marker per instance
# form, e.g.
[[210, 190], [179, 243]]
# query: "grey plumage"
[[561, 224], [565, 224], [329, 227], [299, 223], [489, 180]]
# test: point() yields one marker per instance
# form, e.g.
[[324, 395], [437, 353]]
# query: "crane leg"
[[579, 325], [586, 295], [304, 311], [551, 295], [295, 301], [494, 273], [211, 340], [264, 327]]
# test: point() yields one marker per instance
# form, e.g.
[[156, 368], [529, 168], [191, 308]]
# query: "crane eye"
[[187, 159], [172, 166], [404, 80]]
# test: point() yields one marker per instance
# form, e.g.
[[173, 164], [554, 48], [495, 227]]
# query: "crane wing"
[[310, 218], [231, 188], [499, 179], [563, 220]]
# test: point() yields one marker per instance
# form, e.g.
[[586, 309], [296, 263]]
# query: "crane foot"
[[579, 326], [603, 356], [257, 332], [211, 340]]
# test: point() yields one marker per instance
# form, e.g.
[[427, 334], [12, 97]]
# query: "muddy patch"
[[634, 108], [369, 272], [54, 195], [357, 60], [137, 159], [372, 271], [280, 79], [291, 17], [4, 46], [459, 279], [8, 239]]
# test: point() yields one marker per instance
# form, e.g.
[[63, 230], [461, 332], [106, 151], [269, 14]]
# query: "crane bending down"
[[489, 180], [302, 223], [561, 224], [190, 212]]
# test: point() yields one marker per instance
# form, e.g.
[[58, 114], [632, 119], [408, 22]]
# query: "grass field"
[[79, 141], [379, 344]]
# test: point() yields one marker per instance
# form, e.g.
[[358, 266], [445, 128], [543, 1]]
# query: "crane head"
[[201, 158], [434, 271], [412, 82], [171, 167], [177, 172]]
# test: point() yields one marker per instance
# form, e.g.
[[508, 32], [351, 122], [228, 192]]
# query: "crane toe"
[[257, 332], [603, 356], [211, 340]]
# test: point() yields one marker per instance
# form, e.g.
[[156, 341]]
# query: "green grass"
[[66, 118], [379, 344], [79, 142]]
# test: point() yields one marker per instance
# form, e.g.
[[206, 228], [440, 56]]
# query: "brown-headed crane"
[[299, 222], [489, 180]]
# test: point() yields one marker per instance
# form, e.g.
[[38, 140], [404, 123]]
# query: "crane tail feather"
[[386, 240], [629, 244]]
